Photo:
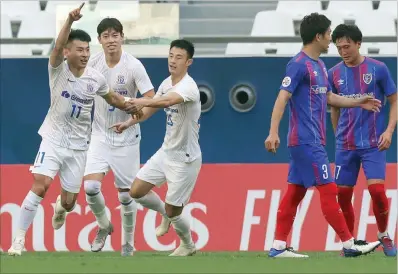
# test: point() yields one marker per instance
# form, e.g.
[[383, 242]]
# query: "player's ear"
[[189, 62], [99, 39]]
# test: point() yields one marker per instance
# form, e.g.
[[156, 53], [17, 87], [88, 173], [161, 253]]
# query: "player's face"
[[111, 41], [178, 61], [324, 41], [77, 53], [348, 49]]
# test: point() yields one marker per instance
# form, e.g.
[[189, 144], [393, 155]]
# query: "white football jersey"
[[181, 142], [126, 78], [68, 121]]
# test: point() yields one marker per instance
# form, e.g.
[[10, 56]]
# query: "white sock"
[[382, 234], [152, 201], [181, 226], [28, 211], [348, 244], [279, 245], [128, 214]]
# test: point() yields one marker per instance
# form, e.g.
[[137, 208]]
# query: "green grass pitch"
[[202, 262]]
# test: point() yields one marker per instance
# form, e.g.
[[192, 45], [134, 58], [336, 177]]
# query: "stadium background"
[[234, 205]]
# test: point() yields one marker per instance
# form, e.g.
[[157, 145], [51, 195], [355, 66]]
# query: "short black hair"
[[80, 35], [109, 23], [184, 44], [351, 32], [313, 24]]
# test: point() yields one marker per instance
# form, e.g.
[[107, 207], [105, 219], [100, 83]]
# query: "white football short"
[[70, 163], [123, 161], [180, 176]]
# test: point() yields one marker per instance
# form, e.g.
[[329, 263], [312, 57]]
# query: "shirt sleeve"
[[387, 83], [294, 75], [55, 73], [331, 86], [103, 88], [141, 79], [188, 92]]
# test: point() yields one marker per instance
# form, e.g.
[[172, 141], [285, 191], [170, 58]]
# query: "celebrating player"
[[66, 129], [361, 135], [306, 89], [179, 159], [108, 150]]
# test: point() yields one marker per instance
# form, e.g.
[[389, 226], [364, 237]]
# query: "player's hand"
[[132, 107], [120, 127], [138, 115], [370, 103], [272, 143], [385, 141], [75, 14]]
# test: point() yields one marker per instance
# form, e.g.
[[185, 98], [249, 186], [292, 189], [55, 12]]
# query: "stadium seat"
[[380, 48], [389, 6], [336, 18], [245, 49], [42, 26], [299, 7], [52, 5], [380, 24], [350, 7], [273, 23], [19, 8], [5, 26], [21, 50], [123, 10], [284, 48]]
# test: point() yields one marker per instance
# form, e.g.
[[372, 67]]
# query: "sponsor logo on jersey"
[[319, 90], [357, 95], [65, 94]]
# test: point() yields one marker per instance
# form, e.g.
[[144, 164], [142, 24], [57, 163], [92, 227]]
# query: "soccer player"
[[120, 152], [306, 89], [361, 136], [66, 129], [179, 159]]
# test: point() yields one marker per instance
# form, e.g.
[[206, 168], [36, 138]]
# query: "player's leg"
[[125, 164], [71, 178], [374, 166], [46, 166], [181, 179], [286, 214], [97, 166], [348, 164], [150, 175], [316, 172]]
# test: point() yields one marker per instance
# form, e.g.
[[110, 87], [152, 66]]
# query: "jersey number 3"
[[169, 121]]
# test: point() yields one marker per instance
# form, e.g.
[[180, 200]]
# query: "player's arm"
[[365, 102], [147, 112], [57, 55], [115, 99], [167, 100], [390, 90], [334, 111], [294, 75]]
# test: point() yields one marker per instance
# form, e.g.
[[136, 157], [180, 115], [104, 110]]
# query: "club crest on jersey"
[[286, 81], [120, 80], [90, 88], [367, 78]]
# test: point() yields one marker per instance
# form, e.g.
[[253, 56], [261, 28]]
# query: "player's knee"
[[41, 184], [173, 211], [135, 193], [124, 198], [68, 205], [92, 187]]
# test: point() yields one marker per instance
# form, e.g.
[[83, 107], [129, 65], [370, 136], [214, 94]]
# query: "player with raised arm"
[[361, 136], [108, 150], [66, 129], [179, 159], [306, 89]]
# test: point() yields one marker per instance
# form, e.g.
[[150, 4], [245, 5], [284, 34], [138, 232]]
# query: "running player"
[[119, 152], [179, 159], [66, 129], [361, 136], [306, 89]]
